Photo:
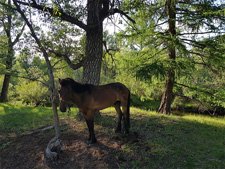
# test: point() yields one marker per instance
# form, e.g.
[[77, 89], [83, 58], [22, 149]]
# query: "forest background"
[[169, 53]]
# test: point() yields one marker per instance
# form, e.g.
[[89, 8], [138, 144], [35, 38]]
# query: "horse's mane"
[[76, 87]]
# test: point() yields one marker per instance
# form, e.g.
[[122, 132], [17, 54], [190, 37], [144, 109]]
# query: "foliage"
[[32, 92], [137, 57], [199, 47], [126, 66]]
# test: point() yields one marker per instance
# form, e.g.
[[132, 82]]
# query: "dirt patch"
[[23, 152]]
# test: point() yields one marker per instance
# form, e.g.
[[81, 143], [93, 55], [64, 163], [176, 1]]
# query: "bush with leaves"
[[32, 92]]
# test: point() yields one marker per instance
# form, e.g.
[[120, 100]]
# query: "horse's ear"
[[60, 81]]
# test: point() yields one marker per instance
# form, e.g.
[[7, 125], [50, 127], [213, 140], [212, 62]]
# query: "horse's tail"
[[128, 110]]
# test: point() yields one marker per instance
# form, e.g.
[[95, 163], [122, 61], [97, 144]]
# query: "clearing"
[[156, 141]]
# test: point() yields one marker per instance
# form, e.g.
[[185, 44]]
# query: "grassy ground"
[[156, 141]]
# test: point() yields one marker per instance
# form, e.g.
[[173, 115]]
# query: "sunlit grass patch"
[[21, 118]]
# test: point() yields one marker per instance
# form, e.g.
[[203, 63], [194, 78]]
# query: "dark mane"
[[76, 87]]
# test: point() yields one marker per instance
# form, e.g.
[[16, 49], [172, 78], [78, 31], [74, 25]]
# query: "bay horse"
[[90, 98]]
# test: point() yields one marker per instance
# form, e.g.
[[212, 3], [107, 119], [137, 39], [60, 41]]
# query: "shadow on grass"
[[169, 142], [28, 152], [155, 141]]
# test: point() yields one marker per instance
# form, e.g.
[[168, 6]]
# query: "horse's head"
[[64, 94]]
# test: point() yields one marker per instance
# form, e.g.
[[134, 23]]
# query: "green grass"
[[17, 119], [156, 141], [189, 141]]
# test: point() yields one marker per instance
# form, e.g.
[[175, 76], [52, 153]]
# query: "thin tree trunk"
[[5, 88], [7, 77], [165, 106], [9, 59], [54, 144]]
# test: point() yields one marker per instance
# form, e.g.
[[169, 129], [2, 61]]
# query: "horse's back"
[[116, 86]]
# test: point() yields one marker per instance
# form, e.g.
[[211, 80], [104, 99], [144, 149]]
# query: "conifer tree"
[[176, 27]]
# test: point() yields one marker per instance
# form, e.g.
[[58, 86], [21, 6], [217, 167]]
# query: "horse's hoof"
[[117, 130], [91, 142], [127, 133], [90, 145]]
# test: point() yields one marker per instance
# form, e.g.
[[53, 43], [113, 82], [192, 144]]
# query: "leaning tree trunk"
[[54, 145], [165, 106], [94, 44]]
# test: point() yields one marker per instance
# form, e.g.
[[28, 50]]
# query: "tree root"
[[51, 152]]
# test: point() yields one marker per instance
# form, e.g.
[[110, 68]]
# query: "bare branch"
[[196, 89], [59, 14], [198, 33], [108, 50], [28, 78], [19, 35], [69, 62], [114, 11]]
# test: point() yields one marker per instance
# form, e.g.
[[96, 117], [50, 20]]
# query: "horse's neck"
[[76, 98]]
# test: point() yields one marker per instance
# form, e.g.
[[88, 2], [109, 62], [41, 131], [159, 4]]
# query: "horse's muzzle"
[[63, 109]]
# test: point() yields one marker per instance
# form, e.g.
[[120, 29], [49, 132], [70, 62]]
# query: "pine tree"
[[176, 27]]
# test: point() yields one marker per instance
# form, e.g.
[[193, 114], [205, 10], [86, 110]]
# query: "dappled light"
[[158, 63], [155, 141]]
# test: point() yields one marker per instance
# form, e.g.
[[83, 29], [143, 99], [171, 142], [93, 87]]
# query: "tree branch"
[[114, 11], [18, 35], [198, 33], [28, 78], [59, 13], [192, 88], [67, 59]]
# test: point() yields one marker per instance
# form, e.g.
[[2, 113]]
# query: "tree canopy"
[[169, 49]]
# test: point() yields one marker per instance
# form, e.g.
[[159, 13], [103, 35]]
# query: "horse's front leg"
[[89, 117], [91, 139]]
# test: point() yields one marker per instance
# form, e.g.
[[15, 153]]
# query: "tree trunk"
[[165, 106], [94, 44], [9, 59], [167, 96], [54, 145], [5, 87]]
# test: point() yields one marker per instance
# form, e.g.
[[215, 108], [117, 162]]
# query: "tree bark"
[[94, 44], [5, 88], [7, 77], [165, 106], [93, 58]]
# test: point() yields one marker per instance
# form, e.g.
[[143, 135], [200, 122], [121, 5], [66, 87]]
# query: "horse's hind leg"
[[119, 112], [126, 116]]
